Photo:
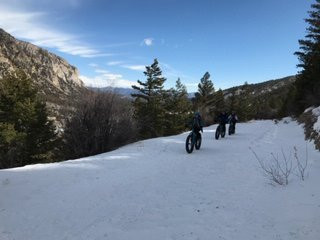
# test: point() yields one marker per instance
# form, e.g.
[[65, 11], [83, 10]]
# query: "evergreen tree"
[[205, 90], [203, 98], [219, 102], [232, 101], [245, 103], [307, 87], [178, 109], [26, 134], [149, 102]]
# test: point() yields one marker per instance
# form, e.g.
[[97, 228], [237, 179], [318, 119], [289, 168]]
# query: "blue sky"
[[110, 41]]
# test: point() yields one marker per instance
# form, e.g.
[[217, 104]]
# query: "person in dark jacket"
[[197, 123], [223, 119], [233, 118]]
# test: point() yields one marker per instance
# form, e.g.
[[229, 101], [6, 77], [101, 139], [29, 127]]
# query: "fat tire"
[[198, 142], [223, 132], [217, 134], [230, 129], [189, 144]]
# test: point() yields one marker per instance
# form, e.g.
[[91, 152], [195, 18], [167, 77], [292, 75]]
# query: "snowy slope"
[[154, 190]]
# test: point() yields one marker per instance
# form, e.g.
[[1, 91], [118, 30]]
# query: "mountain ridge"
[[57, 81], [271, 84]]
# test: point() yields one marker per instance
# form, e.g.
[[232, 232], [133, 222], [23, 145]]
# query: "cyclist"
[[233, 119], [197, 124], [223, 119]]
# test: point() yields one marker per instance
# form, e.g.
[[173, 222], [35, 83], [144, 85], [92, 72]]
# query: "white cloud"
[[148, 41], [171, 72], [101, 71], [135, 67], [107, 80], [46, 3], [94, 65], [27, 26], [114, 63], [95, 55]]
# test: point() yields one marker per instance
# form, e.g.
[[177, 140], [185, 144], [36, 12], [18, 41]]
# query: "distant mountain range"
[[255, 89], [122, 91]]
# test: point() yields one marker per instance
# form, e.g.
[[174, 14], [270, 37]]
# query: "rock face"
[[52, 73], [55, 78]]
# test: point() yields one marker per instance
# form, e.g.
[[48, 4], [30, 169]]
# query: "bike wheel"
[[223, 132], [217, 133], [189, 144], [198, 141], [231, 128]]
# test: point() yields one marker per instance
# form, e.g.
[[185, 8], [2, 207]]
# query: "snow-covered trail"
[[154, 190]]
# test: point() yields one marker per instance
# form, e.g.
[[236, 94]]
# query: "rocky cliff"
[[56, 79]]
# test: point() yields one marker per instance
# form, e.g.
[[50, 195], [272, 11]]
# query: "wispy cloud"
[[148, 41], [27, 26], [94, 65], [171, 72], [101, 71], [135, 67], [114, 63], [121, 44], [43, 3], [107, 80]]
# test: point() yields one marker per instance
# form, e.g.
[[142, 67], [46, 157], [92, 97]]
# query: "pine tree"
[[307, 86], [178, 109], [26, 134], [205, 89], [218, 103], [231, 102], [245, 103], [203, 98], [149, 102]]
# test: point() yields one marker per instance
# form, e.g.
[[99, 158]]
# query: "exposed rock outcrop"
[[56, 79]]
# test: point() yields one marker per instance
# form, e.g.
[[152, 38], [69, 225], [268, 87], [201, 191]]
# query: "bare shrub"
[[277, 170], [101, 121], [301, 166]]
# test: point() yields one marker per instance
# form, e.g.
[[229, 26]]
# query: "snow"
[[316, 113], [153, 189], [308, 109], [316, 125]]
